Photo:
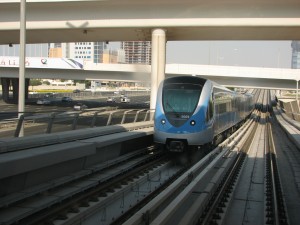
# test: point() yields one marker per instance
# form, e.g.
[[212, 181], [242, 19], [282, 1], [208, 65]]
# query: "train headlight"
[[163, 121], [193, 123]]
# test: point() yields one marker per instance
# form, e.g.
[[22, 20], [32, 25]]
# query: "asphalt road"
[[9, 111], [137, 102]]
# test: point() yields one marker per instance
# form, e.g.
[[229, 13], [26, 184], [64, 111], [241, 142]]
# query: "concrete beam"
[[131, 20]]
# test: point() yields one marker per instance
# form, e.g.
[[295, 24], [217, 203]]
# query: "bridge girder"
[[132, 20]]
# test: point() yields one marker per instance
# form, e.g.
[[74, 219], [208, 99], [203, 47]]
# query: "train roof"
[[186, 79], [200, 80]]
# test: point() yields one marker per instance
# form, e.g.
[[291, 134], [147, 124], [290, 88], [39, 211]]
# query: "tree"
[[35, 82], [79, 81], [46, 82], [87, 83]]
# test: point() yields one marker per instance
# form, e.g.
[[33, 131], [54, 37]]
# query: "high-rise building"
[[90, 51], [98, 51], [87, 51], [295, 54], [137, 52], [55, 50], [114, 56], [32, 50]]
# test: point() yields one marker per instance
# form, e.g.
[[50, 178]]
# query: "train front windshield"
[[181, 98]]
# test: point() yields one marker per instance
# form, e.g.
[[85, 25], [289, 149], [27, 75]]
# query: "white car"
[[125, 100], [80, 106], [43, 101], [110, 99]]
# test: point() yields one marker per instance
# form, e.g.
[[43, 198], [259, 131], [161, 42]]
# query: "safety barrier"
[[77, 120]]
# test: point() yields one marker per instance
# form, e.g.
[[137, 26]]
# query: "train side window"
[[210, 109], [211, 106]]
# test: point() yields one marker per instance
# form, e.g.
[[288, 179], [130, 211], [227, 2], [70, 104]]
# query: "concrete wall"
[[40, 167], [291, 108]]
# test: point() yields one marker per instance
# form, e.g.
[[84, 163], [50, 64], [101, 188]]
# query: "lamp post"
[[21, 104]]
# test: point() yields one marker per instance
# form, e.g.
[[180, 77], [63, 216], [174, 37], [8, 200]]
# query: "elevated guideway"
[[231, 76], [156, 21], [133, 20]]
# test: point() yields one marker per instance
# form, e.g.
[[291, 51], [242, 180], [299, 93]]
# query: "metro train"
[[192, 112]]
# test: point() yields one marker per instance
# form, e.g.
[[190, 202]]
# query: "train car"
[[192, 111]]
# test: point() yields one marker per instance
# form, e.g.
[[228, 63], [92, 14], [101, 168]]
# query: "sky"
[[269, 54], [272, 54]]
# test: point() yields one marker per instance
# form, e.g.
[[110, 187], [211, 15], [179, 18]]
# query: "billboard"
[[38, 62]]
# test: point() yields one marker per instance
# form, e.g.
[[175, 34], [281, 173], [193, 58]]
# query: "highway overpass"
[[133, 20], [231, 76], [156, 21]]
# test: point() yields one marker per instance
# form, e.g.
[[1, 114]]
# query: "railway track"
[[183, 201], [236, 183], [246, 194], [256, 196], [41, 206], [239, 183], [288, 163]]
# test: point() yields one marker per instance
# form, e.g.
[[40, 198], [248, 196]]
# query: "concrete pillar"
[[15, 84], [158, 62], [27, 81], [5, 82]]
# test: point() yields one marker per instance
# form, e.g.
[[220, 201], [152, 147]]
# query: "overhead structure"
[[132, 20], [51, 21]]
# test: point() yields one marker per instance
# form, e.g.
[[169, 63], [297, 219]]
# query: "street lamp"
[[21, 103]]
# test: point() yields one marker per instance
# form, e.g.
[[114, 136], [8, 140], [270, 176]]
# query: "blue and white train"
[[192, 112]]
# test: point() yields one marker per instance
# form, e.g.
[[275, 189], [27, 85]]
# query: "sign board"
[[48, 63]]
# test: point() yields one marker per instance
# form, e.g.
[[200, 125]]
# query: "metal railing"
[[62, 121]]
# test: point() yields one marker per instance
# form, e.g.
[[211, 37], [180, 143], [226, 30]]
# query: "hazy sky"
[[276, 54]]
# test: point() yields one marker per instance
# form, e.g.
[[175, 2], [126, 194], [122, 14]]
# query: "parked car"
[[66, 99], [49, 95], [76, 91], [125, 100], [110, 100], [80, 106], [43, 101]]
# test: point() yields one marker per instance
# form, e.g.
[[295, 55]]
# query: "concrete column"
[[158, 62], [5, 82], [27, 81], [15, 85]]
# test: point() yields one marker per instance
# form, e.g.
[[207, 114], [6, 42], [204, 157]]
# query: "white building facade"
[[88, 51]]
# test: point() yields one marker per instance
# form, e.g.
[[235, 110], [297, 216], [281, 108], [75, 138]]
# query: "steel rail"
[[229, 181], [52, 213], [279, 209]]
